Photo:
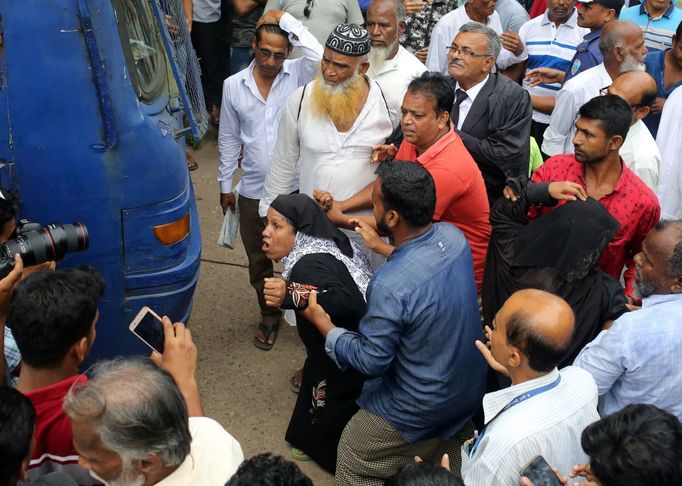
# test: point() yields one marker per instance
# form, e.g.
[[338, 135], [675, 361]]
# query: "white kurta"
[[669, 140], [336, 162], [395, 75], [641, 154]]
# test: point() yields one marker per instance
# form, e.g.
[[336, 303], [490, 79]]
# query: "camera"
[[37, 244]]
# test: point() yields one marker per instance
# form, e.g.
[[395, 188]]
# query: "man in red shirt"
[[596, 170], [430, 140], [52, 316]]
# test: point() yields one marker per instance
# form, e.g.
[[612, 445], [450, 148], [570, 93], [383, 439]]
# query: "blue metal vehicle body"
[[94, 96]]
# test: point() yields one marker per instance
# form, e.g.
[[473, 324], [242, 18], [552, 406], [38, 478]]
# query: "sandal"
[[191, 163], [295, 381], [299, 455], [266, 330]]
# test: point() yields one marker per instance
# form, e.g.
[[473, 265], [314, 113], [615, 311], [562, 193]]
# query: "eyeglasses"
[[267, 54], [309, 4], [465, 51], [605, 91]]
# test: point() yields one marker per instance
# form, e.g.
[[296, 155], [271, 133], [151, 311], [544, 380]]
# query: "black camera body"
[[37, 244]]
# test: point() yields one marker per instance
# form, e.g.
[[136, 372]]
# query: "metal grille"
[[184, 63]]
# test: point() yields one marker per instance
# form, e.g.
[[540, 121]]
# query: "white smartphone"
[[148, 326]]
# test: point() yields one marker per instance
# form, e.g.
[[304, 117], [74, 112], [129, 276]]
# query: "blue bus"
[[96, 100]]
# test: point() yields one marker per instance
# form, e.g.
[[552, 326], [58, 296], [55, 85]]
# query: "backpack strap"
[[300, 105]]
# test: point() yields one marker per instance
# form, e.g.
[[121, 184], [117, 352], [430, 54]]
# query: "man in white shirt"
[[622, 46], [329, 127], [253, 100], [481, 11], [639, 151], [669, 140], [545, 410], [390, 64], [136, 423], [550, 41]]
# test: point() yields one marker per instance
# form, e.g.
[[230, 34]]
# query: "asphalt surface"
[[244, 388]]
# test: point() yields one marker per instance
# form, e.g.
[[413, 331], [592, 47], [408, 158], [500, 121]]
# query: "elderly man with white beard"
[[329, 127], [390, 64]]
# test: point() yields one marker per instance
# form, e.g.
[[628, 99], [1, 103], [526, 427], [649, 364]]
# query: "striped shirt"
[[547, 424], [658, 32], [550, 46]]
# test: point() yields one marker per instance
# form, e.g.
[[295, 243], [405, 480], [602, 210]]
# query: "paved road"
[[244, 388]]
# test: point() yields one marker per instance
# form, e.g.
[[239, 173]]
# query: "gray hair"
[[136, 408], [493, 40], [610, 41], [399, 9], [675, 260]]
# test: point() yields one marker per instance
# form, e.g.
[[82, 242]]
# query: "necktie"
[[460, 96]]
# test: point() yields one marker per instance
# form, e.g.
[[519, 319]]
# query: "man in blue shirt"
[[666, 68], [416, 341], [638, 359], [593, 15], [658, 20]]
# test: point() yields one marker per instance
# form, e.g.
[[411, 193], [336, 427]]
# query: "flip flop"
[[266, 330], [299, 455], [191, 163], [295, 381]]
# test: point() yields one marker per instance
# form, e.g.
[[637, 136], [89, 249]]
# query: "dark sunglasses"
[[308, 5]]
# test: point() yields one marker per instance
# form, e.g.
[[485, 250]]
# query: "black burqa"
[[558, 252], [326, 400]]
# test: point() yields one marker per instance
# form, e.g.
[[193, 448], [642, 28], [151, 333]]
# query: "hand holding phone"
[[148, 326], [539, 473]]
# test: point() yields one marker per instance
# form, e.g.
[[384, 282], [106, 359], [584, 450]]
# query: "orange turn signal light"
[[170, 233]]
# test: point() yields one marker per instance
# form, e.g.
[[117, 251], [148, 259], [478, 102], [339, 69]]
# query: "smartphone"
[[540, 473], [148, 326]]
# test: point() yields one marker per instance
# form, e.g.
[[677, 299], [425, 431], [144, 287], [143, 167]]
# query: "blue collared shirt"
[[416, 342], [658, 32], [655, 65], [587, 55], [638, 359]]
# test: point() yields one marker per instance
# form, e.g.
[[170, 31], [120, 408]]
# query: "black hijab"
[[570, 239], [308, 217]]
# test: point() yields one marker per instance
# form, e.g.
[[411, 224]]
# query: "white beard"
[[632, 64], [127, 477], [378, 57]]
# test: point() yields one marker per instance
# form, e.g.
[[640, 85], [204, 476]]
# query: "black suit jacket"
[[496, 132]]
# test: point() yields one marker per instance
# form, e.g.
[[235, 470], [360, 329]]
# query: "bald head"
[[638, 89], [622, 42], [540, 325]]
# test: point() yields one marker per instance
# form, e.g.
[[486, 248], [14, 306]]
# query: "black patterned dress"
[[326, 401]]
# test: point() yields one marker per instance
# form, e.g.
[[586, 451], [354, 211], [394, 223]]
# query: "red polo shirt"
[[461, 198], [632, 203], [54, 439]]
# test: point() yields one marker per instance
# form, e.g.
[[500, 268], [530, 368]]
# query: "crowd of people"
[[478, 210]]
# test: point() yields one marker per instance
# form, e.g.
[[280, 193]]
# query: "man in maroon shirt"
[[596, 170]]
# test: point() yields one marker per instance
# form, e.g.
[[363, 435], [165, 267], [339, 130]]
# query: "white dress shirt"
[[641, 154], [547, 424], [445, 31], [466, 104], [249, 120], [575, 93], [395, 75], [336, 162], [213, 458], [669, 140]]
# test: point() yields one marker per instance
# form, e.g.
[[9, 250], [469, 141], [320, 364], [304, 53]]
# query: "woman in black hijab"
[[558, 252], [317, 257]]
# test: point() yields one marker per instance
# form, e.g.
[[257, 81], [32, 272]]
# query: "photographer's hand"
[[7, 286], [179, 359]]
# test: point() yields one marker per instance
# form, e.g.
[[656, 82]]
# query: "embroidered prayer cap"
[[349, 40]]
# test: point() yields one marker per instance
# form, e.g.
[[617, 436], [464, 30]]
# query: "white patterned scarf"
[[358, 266]]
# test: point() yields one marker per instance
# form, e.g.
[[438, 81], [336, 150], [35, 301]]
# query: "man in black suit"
[[492, 114]]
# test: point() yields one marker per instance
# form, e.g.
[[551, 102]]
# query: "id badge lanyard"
[[521, 398]]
